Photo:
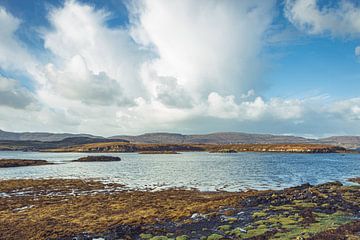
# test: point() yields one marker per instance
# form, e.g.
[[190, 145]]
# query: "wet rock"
[[198, 216]]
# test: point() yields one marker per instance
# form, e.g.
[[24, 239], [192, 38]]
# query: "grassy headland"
[[228, 148]]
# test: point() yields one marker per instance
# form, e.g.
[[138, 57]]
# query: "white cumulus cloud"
[[341, 20]]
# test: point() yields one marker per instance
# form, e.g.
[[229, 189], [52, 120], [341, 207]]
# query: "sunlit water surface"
[[205, 171]]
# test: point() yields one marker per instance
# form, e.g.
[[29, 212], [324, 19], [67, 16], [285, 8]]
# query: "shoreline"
[[67, 208], [113, 147]]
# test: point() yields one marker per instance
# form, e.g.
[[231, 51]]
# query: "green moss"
[[236, 231], [231, 219], [259, 214], [276, 220], [260, 230], [161, 238], [286, 207], [146, 236], [324, 222], [224, 228], [252, 231], [215, 236], [303, 204], [183, 237]]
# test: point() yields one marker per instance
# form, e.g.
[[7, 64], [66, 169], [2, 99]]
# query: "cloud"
[[13, 53], [177, 66], [256, 109], [347, 109], [357, 51], [77, 82], [206, 45], [341, 20], [80, 30], [13, 95]]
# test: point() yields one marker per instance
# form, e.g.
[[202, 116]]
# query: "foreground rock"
[[6, 163], [327, 211], [98, 159]]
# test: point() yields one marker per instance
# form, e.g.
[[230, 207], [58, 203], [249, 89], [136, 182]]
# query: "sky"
[[187, 66]]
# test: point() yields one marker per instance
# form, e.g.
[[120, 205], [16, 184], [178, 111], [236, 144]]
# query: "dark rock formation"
[[98, 159], [5, 163]]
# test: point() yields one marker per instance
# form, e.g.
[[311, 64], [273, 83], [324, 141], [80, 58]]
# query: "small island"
[[98, 159], [158, 152], [6, 163], [224, 151]]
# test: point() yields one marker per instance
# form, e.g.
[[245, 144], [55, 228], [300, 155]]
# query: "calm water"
[[206, 171]]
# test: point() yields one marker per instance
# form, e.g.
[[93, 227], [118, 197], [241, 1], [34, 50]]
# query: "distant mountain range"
[[214, 138], [40, 136], [352, 142]]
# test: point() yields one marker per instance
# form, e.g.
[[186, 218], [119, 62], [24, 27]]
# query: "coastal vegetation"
[[68, 209], [228, 148]]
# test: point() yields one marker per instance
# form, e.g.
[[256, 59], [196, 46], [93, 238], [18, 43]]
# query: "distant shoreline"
[[213, 148], [124, 147]]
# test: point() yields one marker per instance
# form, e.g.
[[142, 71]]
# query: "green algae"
[[303, 204], [161, 238], [183, 237], [215, 236], [145, 236], [323, 222], [259, 214], [224, 228]]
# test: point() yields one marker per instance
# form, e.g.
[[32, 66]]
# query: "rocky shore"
[[6, 163], [77, 209]]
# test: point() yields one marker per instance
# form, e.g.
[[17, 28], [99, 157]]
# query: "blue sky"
[[284, 67]]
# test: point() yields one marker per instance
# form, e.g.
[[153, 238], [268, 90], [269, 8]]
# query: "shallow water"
[[205, 171]]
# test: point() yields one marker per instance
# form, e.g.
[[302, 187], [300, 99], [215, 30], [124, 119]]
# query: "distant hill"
[[31, 145], [352, 142], [40, 136], [214, 138]]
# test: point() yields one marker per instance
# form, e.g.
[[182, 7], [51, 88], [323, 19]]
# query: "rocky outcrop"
[[5, 163], [98, 159]]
